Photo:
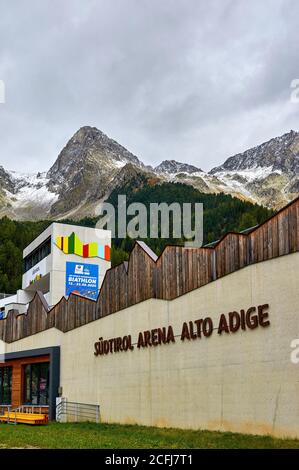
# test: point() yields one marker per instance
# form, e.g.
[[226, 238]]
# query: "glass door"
[[5, 385], [36, 382]]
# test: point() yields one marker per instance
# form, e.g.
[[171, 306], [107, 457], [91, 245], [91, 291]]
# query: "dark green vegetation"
[[222, 213], [116, 436]]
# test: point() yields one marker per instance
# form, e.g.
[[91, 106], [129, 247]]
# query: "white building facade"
[[62, 259]]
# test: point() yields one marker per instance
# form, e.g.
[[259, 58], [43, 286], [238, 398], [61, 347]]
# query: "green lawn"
[[113, 436]]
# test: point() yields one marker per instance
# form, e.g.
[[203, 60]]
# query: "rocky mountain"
[[6, 184], [172, 167], [6, 180], [84, 169], [280, 154], [25, 196], [267, 174], [91, 165], [79, 178]]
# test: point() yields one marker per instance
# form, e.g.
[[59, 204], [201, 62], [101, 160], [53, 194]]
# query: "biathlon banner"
[[82, 279]]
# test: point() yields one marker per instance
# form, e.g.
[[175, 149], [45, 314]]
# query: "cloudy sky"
[[190, 80]]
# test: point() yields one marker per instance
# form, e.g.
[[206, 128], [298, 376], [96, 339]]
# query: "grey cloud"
[[188, 79]]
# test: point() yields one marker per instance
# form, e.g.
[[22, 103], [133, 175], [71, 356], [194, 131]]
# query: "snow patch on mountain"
[[119, 163], [30, 189], [249, 174]]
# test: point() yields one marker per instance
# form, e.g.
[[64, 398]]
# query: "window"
[[37, 255], [5, 385], [36, 383]]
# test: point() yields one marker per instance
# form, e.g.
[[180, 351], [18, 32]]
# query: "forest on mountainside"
[[221, 213]]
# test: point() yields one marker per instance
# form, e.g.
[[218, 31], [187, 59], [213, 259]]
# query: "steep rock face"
[[173, 167], [267, 174], [6, 180], [84, 169], [6, 186], [88, 142], [279, 154]]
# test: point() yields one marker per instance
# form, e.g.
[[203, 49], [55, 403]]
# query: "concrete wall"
[[243, 381]]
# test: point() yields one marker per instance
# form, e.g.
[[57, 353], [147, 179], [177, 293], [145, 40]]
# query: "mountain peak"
[[87, 146], [85, 167], [174, 167], [87, 133], [277, 154]]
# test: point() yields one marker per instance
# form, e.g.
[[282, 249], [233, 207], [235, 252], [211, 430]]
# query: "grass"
[[115, 436]]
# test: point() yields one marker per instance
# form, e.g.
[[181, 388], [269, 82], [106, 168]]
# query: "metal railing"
[[11, 413], [74, 412], [4, 408], [29, 409], [32, 409]]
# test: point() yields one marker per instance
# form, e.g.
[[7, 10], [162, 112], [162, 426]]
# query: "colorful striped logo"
[[72, 245]]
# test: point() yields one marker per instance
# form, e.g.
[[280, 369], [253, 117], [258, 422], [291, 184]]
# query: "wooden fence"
[[177, 271]]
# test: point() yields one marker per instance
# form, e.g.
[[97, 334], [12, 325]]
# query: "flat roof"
[[48, 232]]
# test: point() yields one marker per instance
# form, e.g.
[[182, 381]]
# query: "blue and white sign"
[[82, 279]]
